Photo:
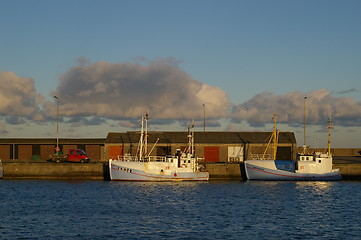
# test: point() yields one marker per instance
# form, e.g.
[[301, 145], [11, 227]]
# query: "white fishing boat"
[[183, 166], [307, 167]]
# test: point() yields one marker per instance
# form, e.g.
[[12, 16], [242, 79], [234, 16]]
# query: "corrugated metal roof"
[[98, 141], [201, 137], [164, 137]]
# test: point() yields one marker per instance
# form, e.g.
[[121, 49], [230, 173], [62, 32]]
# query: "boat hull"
[[255, 172], [141, 171]]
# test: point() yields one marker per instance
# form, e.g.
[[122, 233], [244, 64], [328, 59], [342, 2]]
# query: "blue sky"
[[243, 59]]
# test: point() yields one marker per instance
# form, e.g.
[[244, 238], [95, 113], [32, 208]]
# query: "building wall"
[[25, 152], [46, 151], [5, 152], [93, 151]]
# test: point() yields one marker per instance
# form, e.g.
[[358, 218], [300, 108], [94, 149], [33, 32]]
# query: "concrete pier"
[[99, 170], [45, 170], [350, 168]]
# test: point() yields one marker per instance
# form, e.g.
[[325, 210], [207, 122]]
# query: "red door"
[[211, 154], [115, 151]]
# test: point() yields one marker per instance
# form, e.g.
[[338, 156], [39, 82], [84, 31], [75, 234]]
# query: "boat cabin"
[[316, 163]]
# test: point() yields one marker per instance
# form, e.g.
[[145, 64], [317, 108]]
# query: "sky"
[[229, 63]]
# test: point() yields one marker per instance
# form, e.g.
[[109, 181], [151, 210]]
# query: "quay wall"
[[100, 171], [49, 170], [54, 170], [350, 171], [224, 171]]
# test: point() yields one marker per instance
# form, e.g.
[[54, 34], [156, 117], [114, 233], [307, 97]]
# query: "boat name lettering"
[[122, 169]]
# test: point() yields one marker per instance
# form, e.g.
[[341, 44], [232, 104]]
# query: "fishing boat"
[[182, 166], [307, 167]]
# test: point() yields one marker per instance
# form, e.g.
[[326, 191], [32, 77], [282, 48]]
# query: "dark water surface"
[[33, 209]]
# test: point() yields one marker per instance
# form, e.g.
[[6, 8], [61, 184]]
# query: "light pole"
[[304, 122], [204, 117], [57, 125]]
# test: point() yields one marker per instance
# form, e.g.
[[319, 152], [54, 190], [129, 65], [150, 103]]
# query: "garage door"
[[115, 151], [211, 154]]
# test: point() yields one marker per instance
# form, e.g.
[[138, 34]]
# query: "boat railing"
[[129, 158], [124, 158], [254, 156], [167, 158], [154, 159]]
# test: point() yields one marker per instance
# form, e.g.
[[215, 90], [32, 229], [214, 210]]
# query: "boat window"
[[307, 158]]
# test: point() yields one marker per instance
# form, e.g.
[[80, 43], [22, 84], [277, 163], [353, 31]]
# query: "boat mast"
[[191, 139], [304, 126], [275, 136], [146, 134], [330, 126], [141, 139]]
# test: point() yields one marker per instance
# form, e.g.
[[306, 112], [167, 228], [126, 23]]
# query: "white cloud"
[[128, 90], [2, 128], [93, 94], [18, 97], [290, 108]]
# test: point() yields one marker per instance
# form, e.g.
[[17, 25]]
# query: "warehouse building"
[[225, 147], [25, 149], [212, 146]]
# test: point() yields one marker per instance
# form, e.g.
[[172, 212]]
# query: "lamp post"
[[304, 122], [204, 117], [57, 125]]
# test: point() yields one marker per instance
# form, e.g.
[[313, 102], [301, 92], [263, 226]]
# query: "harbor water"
[[47, 209]]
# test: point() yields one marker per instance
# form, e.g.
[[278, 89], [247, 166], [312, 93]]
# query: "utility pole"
[[57, 125], [204, 117], [304, 122]]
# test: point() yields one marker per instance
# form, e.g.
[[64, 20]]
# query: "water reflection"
[[184, 210], [320, 186]]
